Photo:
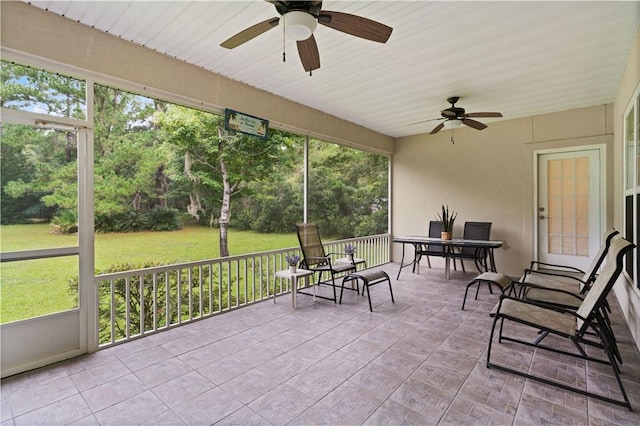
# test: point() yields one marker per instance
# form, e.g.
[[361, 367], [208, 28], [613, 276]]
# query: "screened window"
[[632, 185]]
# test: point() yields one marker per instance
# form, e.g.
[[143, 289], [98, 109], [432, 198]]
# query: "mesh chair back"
[[475, 231], [591, 272], [310, 244], [435, 231], [601, 287]]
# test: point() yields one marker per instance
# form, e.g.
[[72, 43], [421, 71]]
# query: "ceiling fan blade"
[[308, 51], [355, 25], [473, 123], [483, 114], [250, 33], [424, 121], [437, 128], [449, 113]]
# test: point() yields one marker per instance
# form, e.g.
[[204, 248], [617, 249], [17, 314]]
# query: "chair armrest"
[[560, 267]]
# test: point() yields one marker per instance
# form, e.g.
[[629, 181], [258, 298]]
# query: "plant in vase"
[[447, 220], [292, 260], [350, 250]]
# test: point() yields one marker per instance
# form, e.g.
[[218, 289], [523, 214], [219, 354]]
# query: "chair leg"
[[366, 285]]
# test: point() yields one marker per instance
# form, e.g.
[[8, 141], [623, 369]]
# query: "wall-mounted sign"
[[245, 123]]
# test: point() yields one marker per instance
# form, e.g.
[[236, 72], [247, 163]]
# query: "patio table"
[[481, 246]]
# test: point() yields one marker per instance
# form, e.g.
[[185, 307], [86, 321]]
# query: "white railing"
[[181, 293]]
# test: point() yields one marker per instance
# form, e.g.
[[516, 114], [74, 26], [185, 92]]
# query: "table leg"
[[401, 262], [294, 290], [447, 265], [492, 261]]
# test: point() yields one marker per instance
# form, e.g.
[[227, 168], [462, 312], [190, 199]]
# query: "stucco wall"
[[628, 296], [27, 29], [488, 175]]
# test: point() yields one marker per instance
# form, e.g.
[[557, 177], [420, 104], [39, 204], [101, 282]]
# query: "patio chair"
[[568, 277], [474, 231], [315, 259], [435, 229], [579, 327]]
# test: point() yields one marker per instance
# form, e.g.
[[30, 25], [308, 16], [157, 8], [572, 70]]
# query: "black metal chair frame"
[[369, 278], [507, 289], [315, 259], [435, 230], [588, 319], [474, 231]]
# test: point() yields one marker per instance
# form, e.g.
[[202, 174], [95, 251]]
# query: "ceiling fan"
[[300, 18], [455, 117]]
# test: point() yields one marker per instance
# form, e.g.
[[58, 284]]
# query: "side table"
[[293, 277]]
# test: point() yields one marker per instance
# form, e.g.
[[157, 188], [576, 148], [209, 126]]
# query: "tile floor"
[[418, 361]]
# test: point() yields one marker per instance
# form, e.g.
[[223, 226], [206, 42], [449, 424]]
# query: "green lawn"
[[37, 287]]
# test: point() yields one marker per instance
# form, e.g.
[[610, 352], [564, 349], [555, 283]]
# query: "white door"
[[35, 332], [569, 207]]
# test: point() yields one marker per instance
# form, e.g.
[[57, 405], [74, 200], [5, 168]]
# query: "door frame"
[[537, 154]]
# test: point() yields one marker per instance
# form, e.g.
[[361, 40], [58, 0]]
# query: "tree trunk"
[[226, 197]]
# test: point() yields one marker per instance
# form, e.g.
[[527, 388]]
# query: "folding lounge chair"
[[315, 259], [579, 326], [563, 277]]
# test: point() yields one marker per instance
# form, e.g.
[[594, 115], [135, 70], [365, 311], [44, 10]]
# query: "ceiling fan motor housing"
[[298, 25]]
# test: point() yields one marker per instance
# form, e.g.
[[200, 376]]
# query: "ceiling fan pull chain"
[[284, 54]]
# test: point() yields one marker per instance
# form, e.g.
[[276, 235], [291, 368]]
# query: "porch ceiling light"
[[298, 25], [453, 123]]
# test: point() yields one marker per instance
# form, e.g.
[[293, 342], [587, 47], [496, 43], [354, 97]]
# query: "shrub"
[[66, 222], [163, 219]]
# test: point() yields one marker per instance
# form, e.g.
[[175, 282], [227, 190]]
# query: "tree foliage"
[[153, 159]]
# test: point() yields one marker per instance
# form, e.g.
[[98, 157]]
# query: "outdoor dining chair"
[[474, 231]]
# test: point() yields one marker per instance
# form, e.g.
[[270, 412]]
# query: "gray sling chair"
[[565, 277], [579, 326], [315, 259], [561, 288]]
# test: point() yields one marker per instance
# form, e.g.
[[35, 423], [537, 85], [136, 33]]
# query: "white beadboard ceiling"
[[521, 58]]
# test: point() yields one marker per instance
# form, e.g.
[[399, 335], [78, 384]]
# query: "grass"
[[37, 287]]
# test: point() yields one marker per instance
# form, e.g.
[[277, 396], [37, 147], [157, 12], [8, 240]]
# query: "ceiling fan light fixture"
[[298, 25], [454, 123]]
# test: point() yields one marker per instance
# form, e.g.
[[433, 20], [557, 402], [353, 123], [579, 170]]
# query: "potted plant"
[[292, 260], [350, 250], [447, 220]]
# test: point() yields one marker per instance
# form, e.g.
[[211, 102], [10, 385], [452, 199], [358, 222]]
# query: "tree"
[[217, 164]]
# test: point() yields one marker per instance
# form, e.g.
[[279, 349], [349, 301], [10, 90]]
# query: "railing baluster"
[[190, 287], [112, 285], [155, 301], [127, 308], [141, 299], [179, 275]]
